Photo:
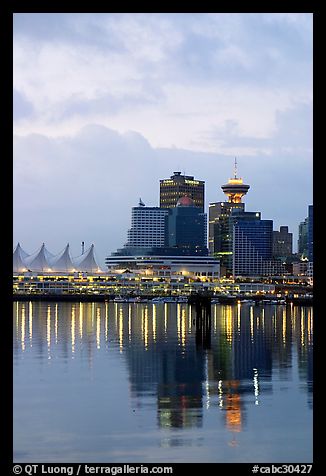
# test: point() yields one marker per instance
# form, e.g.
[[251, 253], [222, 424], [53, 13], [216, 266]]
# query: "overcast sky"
[[106, 105]]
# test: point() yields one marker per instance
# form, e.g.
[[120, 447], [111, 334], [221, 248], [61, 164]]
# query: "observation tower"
[[235, 189]]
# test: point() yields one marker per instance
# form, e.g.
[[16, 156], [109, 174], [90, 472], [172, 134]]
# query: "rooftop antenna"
[[235, 167], [141, 203]]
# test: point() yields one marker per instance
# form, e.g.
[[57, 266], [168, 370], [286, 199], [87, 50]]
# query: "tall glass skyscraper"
[[252, 240], [310, 233], [303, 239], [186, 227]]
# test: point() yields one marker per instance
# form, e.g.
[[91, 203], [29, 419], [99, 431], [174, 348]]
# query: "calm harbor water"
[[115, 382]]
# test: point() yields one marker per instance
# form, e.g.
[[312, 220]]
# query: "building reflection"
[[174, 362]]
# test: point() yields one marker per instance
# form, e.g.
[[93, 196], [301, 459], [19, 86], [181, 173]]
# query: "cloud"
[[146, 71], [22, 108], [291, 134]]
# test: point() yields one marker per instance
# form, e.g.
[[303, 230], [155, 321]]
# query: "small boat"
[[169, 299], [157, 300], [182, 299], [140, 299], [119, 299]]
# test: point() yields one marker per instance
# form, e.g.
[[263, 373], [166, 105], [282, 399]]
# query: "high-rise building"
[[310, 233], [179, 185], [219, 231], [186, 227], [282, 243], [147, 227], [303, 239], [178, 231], [252, 244]]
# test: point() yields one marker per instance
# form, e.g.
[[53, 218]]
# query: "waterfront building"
[[282, 243], [310, 234], [147, 227], [19, 264], [40, 260], [310, 273], [219, 231], [87, 262], [43, 261], [179, 185], [303, 239], [300, 268], [252, 244], [186, 227], [218, 228], [176, 231], [165, 266], [63, 261]]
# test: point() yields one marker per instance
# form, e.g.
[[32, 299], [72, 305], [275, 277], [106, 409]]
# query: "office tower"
[[186, 227], [179, 185], [147, 227], [178, 231], [303, 239], [282, 243], [310, 234], [252, 240], [218, 229], [219, 233]]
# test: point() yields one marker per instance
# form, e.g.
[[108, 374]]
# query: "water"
[[109, 382]]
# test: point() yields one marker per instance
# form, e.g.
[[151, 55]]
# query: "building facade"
[[300, 268], [179, 185], [252, 242], [147, 227], [166, 266], [310, 244], [186, 227], [282, 243], [220, 242], [303, 239]]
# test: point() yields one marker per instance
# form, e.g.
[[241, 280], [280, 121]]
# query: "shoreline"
[[214, 299]]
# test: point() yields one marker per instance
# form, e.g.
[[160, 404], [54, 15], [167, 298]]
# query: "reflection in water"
[[223, 363]]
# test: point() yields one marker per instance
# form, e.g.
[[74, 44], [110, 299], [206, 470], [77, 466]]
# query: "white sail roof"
[[40, 260], [19, 256], [87, 261], [62, 261]]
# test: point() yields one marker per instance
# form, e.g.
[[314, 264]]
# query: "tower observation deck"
[[235, 189]]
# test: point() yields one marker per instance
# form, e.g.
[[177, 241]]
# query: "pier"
[[202, 321]]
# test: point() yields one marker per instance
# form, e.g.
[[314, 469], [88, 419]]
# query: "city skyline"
[[100, 119]]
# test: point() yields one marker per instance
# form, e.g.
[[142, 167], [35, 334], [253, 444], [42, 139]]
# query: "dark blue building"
[[310, 233], [186, 227], [252, 244]]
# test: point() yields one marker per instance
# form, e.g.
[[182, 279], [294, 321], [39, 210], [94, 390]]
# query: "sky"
[[106, 105]]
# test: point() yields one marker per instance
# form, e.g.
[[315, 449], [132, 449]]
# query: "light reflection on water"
[[111, 382]]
